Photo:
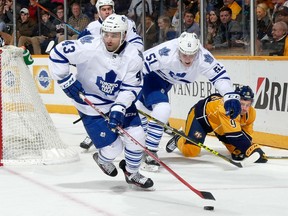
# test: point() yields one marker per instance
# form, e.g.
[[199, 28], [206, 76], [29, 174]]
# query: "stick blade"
[[207, 195], [238, 164], [50, 46]]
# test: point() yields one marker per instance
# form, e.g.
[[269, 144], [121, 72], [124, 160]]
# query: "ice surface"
[[81, 188]]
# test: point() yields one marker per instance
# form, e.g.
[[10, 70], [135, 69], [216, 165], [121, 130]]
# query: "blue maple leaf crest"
[[208, 58], [109, 85], [164, 51]]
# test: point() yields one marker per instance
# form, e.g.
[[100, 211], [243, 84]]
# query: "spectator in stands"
[[277, 6], [33, 10], [214, 4], [282, 15], [24, 26], [229, 31], [235, 8], [213, 24], [60, 26], [42, 36], [78, 21], [7, 15], [264, 23], [189, 24], [166, 30], [150, 32], [278, 46], [135, 10], [90, 9]]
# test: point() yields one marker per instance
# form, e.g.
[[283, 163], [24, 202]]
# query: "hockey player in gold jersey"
[[209, 115]]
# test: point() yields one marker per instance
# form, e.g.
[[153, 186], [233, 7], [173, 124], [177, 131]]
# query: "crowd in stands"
[[227, 22]]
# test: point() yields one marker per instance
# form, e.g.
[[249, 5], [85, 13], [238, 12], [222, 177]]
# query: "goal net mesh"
[[28, 135]]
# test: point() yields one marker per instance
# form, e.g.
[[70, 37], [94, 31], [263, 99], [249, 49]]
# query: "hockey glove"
[[84, 33], [72, 87], [232, 104], [116, 117]]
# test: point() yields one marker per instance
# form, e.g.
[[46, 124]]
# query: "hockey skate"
[[150, 164], [86, 143], [136, 178], [172, 143], [108, 168]]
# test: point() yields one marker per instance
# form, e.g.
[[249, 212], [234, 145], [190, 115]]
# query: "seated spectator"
[[264, 23], [150, 32], [42, 36], [229, 31], [282, 15], [212, 26], [78, 21], [60, 26], [235, 8], [90, 9], [189, 24], [33, 10], [278, 46], [7, 15], [166, 31], [24, 27]]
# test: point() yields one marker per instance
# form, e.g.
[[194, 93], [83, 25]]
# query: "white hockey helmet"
[[115, 23], [188, 43], [101, 3]]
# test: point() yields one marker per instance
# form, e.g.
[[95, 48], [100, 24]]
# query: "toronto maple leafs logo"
[[86, 39], [109, 85], [208, 58], [164, 51]]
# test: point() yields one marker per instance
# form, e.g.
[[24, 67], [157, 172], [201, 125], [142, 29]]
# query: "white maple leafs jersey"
[[164, 60], [131, 36], [106, 77]]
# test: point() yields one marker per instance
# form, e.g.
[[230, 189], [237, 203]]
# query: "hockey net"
[[27, 135]]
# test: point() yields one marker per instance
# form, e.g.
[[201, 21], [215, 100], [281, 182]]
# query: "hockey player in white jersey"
[[105, 8], [109, 74], [180, 60]]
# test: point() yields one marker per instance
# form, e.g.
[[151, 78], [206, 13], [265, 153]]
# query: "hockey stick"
[[238, 164], [56, 17], [202, 194], [276, 157]]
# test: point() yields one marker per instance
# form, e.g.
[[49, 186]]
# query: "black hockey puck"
[[209, 208]]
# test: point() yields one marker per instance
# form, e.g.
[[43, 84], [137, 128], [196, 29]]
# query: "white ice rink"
[[82, 189]]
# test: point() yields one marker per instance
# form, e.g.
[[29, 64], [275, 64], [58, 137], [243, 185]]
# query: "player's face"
[[112, 40], [186, 60], [245, 106], [105, 11]]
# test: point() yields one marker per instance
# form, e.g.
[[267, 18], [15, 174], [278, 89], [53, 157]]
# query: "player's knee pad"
[[188, 150], [113, 150], [256, 148], [161, 111], [139, 135]]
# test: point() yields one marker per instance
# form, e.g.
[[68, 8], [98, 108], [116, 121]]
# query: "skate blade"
[[137, 188]]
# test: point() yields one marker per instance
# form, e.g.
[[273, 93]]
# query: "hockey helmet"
[[188, 43], [245, 93], [115, 23], [101, 3]]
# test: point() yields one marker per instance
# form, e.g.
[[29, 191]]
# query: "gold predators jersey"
[[221, 124]]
